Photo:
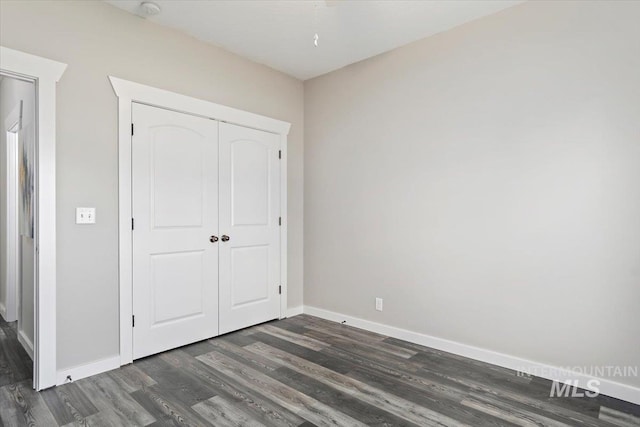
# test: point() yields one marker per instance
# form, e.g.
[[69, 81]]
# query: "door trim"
[[129, 92], [45, 73]]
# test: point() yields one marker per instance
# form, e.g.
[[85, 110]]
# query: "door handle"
[[213, 239], [225, 238]]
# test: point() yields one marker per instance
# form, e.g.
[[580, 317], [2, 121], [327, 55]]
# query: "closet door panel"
[[175, 209], [249, 216]]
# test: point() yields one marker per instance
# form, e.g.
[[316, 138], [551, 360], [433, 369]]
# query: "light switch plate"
[[85, 215]]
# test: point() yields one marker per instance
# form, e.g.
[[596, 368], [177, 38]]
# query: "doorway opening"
[[18, 205], [28, 129]]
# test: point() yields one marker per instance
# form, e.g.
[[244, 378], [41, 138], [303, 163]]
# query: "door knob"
[[225, 238], [213, 239]]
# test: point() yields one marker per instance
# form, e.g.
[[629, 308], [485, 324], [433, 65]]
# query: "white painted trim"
[[284, 304], [12, 125], [607, 387], [84, 371], [295, 311], [46, 73], [3, 311], [174, 101], [26, 343], [128, 92], [125, 241]]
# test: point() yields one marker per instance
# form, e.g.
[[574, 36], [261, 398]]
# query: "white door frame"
[[128, 92], [12, 126], [45, 73]]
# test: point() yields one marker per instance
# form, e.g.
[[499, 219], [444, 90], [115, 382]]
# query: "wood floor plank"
[[415, 366], [619, 405], [29, 407], [376, 397], [75, 400], [298, 339], [403, 373], [618, 418], [68, 404], [545, 407], [15, 363], [104, 418], [131, 378], [380, 345], [350, 405], [366, 413], [513, 417], [322, 358], [62, 413], [446, 383], [421, 361], [241, 355], [343, 330], [196, 349], [445, 404], [365, 349], [8, 408], [188, 389], [166, 409], [222, 413], [289, 325], [305, 406], [251, 359], [239, 338], [105, 394], [261, 407]]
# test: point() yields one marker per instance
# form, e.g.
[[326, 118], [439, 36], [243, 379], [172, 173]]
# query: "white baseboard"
[[606, 387], [294, 311], [83, 371], [3, 311], [26, 343]]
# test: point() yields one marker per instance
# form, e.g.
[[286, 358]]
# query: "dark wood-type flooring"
[[301, 371]]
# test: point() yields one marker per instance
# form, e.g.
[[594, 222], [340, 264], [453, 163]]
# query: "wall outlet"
[[379, 304], [85, 215]]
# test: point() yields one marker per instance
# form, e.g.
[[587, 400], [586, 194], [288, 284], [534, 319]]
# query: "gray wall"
[[96, 40], [486, 183], [13, 91]]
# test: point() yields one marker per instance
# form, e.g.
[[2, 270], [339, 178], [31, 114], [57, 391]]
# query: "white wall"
[[26, 317], [486, 183], [97, 40], [13, 91]]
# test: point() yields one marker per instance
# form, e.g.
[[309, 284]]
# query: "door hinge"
[[132, 223], [133, 321], [279, 289], [132, 129], [279, 220], [279, 154]]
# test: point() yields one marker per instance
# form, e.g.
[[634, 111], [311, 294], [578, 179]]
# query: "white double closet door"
[[206, 237]]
